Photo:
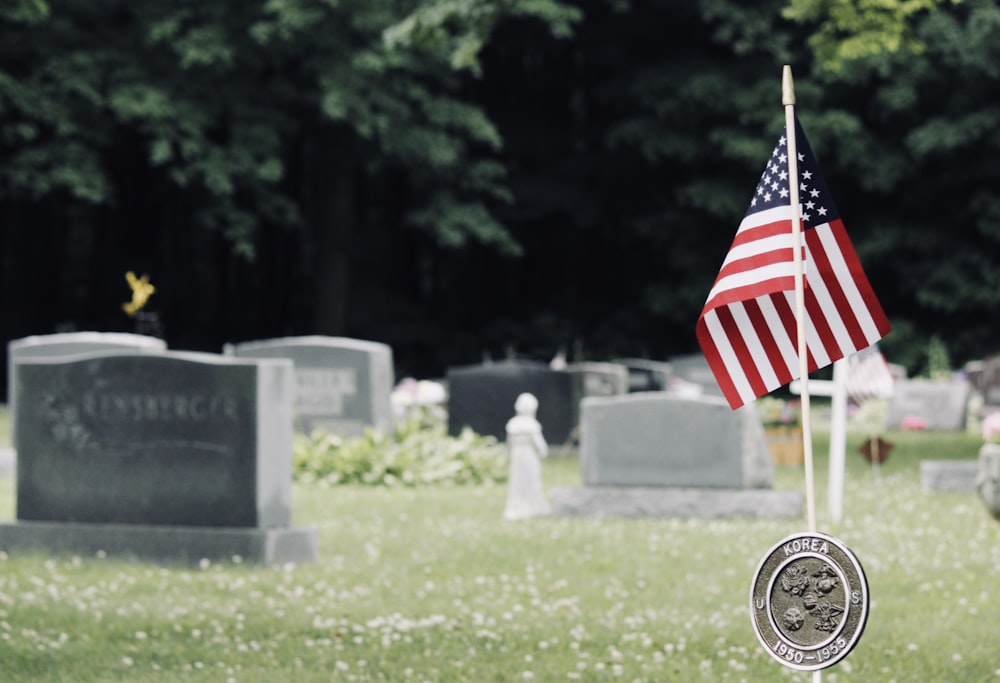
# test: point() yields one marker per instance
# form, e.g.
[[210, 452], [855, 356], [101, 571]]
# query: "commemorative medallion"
[[809, 601]]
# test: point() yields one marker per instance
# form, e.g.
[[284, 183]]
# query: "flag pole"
[[788, 100]]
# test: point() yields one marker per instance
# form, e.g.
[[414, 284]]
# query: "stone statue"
[[525, 497]]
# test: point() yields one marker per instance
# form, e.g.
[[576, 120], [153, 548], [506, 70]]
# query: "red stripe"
[[818, 317], [767, 258], [751, 291], [717, 365], [766, 337], [746, 235], [835, 288], [787, 315], [858, 273], [743, 355]]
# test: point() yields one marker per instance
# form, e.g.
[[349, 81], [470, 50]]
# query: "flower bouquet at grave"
[[782, 421], [776, 412]]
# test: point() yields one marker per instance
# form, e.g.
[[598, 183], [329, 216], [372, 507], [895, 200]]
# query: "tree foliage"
[[463, 177], [848, 30]]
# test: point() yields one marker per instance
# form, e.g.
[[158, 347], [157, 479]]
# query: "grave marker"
[[480, 397], [935, 405], [662, 440], [66, 344], [117, 448], [342, 385], [657, 454]]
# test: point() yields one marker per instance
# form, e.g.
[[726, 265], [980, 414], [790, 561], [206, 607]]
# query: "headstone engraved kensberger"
[[66, 344], [157, 454]]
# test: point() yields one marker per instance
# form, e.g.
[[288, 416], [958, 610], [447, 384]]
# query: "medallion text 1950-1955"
[[809, 601]]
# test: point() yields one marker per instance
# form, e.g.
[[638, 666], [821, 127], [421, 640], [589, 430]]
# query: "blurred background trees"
[[462, 177]]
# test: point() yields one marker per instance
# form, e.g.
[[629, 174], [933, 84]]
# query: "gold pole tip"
[[787, 86]]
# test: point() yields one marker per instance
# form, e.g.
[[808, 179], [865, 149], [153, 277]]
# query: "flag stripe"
[[715, 345], [729, 320], [864, 303]]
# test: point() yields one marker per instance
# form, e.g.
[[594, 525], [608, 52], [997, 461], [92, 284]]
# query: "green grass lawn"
[[432, 585]]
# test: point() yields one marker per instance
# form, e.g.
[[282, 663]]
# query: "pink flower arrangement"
[[913, 422], [991, 427]]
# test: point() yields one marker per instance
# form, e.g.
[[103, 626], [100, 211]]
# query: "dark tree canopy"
[[460, 177]]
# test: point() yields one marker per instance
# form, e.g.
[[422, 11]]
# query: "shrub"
[[417, 452]]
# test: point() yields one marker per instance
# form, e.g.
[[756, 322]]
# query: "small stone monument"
[[525, 497], [342, 385]]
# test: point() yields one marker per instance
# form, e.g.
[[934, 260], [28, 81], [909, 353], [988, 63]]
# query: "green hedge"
[[418, 452]]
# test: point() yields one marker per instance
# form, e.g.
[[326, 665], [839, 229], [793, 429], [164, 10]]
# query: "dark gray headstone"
[[342, 385], [67, 344], [656, 439], [482, 397], [157, 455], [169, 438], [938, 405], [647, 375]]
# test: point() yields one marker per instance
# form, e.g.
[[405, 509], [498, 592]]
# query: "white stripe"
[[785, 346], [750, 277], [755, 220], [843, 273], [728, 356], [751, 337], [760, 246]]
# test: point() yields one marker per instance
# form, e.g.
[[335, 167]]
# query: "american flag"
[[747, 329], [868, 376]]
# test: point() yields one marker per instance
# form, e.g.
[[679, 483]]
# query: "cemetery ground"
[[430, 584]]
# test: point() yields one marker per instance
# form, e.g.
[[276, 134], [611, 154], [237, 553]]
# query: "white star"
[[753, 201], [807, 175], [783, 159], [814, 192], [784, 192], [821, 211], [775, 186], [810, 205], [767, 196], [783, 175], [802, 157], [805, 218]]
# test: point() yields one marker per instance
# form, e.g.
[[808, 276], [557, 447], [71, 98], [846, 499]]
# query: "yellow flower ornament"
[[141, 291]]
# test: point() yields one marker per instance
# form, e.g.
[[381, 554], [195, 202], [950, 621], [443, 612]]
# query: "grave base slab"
[[688, 503], [183, 544], [949, 475]]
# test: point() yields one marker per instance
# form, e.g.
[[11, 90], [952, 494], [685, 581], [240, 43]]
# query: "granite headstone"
[[65, 344], [658, 454], [480, 397], [342, 385], [656, 439], [933, 405], [116, 447]]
